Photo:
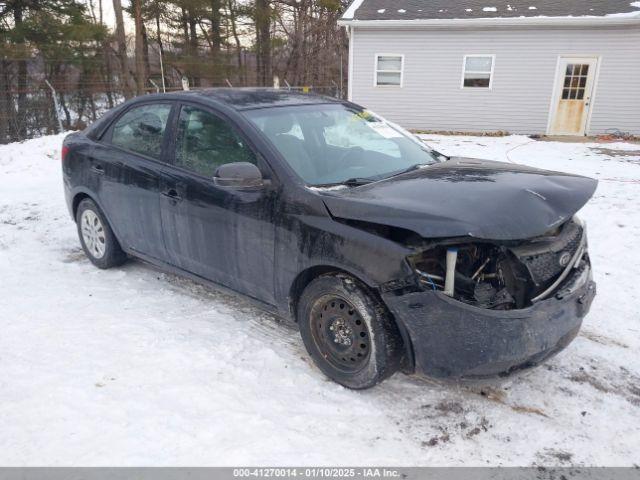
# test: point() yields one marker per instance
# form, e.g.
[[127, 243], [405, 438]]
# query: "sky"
[[108, 15]]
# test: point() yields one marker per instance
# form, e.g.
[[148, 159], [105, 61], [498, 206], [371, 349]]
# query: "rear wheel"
[[96, 237], [348, 332]]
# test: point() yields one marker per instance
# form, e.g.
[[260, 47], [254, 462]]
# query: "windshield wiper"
[[354, 182], [412, 168], [351, 182], [441, 156]]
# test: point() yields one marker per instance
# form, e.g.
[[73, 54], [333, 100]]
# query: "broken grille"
[[546, 266]]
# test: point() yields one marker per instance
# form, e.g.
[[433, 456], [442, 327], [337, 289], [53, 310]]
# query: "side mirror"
[[239, 175]]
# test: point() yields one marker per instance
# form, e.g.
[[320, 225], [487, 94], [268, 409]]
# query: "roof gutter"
[[612, 20]]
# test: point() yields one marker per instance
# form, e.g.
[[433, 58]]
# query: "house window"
[[389, 70], [478, 71], [575, 81]]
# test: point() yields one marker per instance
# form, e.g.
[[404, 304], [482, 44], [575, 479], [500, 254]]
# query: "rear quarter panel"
[[76, 169]]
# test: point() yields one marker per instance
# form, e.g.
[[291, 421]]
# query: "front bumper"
[[450, 339]]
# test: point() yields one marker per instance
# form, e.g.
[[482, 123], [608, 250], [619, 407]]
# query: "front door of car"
[[127, 159], [222, 234]]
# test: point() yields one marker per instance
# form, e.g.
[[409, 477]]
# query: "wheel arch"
[[80, 194], [309, 274], [78, 197]]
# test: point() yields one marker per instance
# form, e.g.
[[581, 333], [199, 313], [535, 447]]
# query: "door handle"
[[172, 193], [99, 169]]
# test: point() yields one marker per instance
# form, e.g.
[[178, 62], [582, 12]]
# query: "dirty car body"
[[483, 265]]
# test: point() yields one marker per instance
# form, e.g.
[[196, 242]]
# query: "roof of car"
[[253, 98], [484, 9]]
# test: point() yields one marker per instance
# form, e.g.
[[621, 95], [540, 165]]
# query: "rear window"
[[141, 129]]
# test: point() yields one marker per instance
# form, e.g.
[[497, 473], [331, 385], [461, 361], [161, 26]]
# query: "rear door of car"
[[128, 158], [219, 233]]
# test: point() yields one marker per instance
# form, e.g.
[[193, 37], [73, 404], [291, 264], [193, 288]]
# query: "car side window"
[[141, 129], [205, 141]]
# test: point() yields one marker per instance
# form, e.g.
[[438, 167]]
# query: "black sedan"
[[387, 254]]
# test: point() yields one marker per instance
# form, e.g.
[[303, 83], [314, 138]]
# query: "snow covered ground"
[[134, 367]]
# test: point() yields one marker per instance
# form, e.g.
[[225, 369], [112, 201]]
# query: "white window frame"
[[376, 71], [464, 71]]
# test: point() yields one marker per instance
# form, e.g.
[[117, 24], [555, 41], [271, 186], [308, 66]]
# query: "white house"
[[558, 67]]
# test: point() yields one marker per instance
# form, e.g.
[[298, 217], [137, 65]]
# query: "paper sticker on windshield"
[[385, 130]]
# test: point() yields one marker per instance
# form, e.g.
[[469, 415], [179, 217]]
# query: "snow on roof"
[[476, 9], [355, 5]]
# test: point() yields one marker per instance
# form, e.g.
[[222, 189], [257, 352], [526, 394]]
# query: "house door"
[[572, 98]]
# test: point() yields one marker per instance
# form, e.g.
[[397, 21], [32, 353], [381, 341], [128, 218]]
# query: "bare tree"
[[121, 39], [263, 41], [233, 23], [22, 76], [140, 50]]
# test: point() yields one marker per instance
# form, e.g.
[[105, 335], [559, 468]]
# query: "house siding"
[[524, 76]]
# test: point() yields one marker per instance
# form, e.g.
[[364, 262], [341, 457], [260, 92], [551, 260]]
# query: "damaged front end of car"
[[483, 308], [499, 275], [503, 275]]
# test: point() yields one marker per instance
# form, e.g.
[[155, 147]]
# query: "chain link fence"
[[46, 110], [70, 101]]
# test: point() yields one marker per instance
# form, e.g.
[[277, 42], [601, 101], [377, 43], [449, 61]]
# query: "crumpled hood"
[[467, 197]]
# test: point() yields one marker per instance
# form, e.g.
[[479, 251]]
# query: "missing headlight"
[[503, 275]]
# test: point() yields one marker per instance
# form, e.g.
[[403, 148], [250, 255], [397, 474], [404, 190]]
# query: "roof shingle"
[[470, 9]]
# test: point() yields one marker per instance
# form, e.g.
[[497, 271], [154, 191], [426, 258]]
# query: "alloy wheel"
[[93, 233]]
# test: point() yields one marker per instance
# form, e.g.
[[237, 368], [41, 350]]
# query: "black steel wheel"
[[348, 332], [340, 333]]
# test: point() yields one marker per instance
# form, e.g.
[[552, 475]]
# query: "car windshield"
[[339, 144]]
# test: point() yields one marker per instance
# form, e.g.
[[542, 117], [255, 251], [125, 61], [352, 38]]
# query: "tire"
[[348, 332], [96, 237]]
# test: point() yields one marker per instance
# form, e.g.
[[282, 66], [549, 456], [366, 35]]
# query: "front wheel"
[[348, 332]]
